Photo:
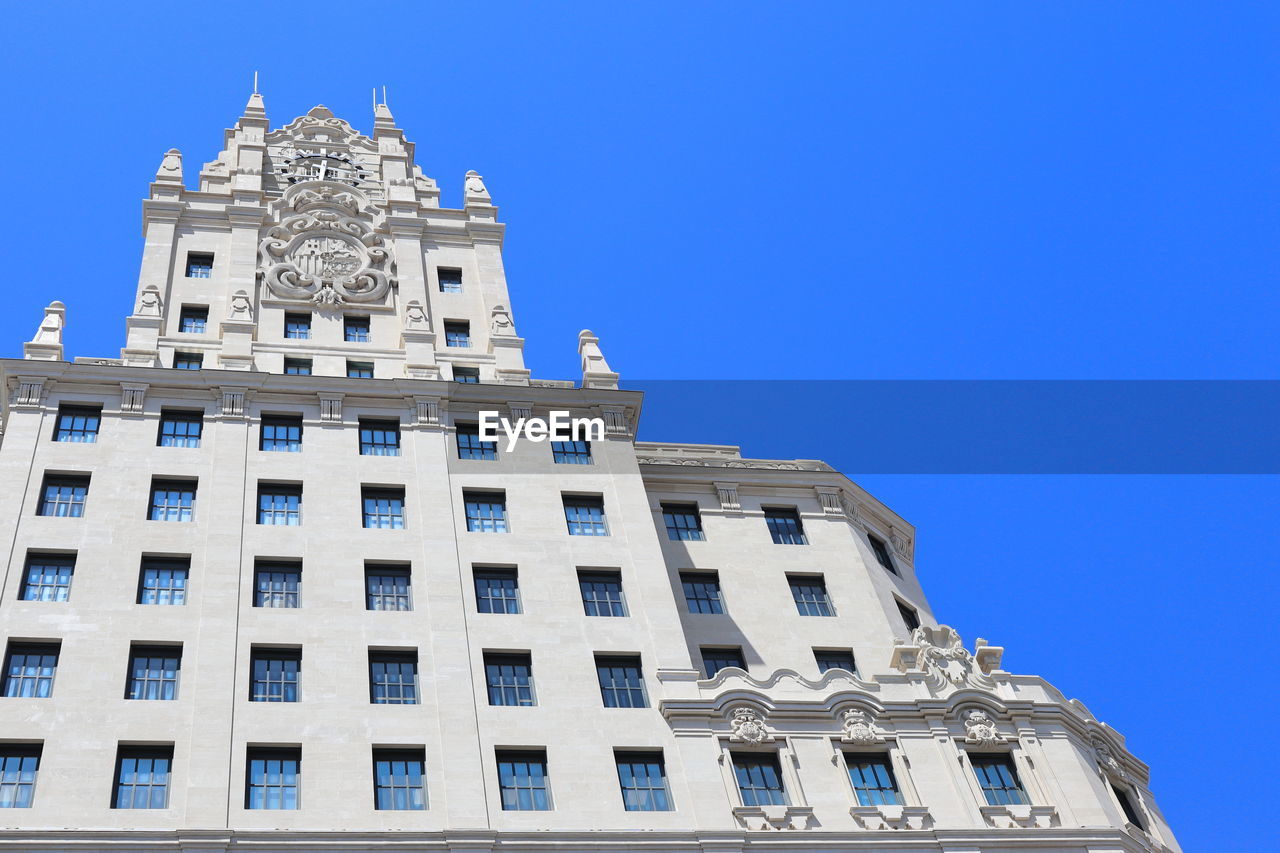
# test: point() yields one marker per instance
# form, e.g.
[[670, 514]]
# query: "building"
[[269, 587]]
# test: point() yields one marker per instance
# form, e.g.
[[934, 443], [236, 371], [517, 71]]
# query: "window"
[[379, 438], [180, 429], [810, 594], [78, 424], [383, 508], [909, 616], [466, 375], [64, 496], [360, 369], [714, 660], [759, 779], [355, 330], [279, 504], [523, 780], [1125, 799], [486, 511], [393, 678], [387, 588], [274, 675], [702, 592], [297, 327], [571, 452], [281, 433], [998, 780], [163, 581], [399, 781], [497, 591], [142, 777], [471, 447], [199, 264], [29, 669], [585, 516], [450, 280], [193, 319], [172, 500], [621, 681], [297, 366], [785, 527], [272, 778], [457, 333], [153, 672], [19, 763], [277, 585], [829, 659], [509, 678], [881, 550], [683, 522], [188, 360], [48, 577], [872, 778], [602, 593], [643, 777]]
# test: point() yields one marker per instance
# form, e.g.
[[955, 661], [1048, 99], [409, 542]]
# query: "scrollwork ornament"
[[979, 728], [748, 726], [859, 728]]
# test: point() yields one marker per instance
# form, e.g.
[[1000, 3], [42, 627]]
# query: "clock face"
[[301, 165]]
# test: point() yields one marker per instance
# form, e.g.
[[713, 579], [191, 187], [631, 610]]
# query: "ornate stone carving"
[[50, 331], [979, 728], [149, 302], [765, 818], [892, 817], [859, 728], [748, 726], [900, 544], [727, 493], [500, 322], [1108, 764], [30, 392], [615, 420], [241, 309], [830, 500], [331, 407], [426, 411], [231, 402], [474, 188], [133, 396], [415, 317]]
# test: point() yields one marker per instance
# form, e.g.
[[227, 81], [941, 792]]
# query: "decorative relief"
[[149, 302], [1020, 816], [415, 317], [748, 726], [1108, 764], [892, 817], [761, 464], [426, 411], [331, 407], [979, 728], [859, 728], [727, 493], [241, 308], [615, 420], [939, 652], [765, 818], [830, 500], [520, 411], [29, 392], [133, 396], [231, 402], [500, 322]]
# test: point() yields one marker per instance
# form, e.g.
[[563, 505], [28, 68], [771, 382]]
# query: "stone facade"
[[315, 278]]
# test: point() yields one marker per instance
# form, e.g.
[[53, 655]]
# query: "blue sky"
[[802, 190]]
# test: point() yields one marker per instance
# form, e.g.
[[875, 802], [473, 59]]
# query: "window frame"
[[490, 523], [294, 366], [880, 550], [457, 330], [991, 793], [515, 689], [40, 679], [399, 658], [361, 325], [589, 503], [701, 577], [290, 511], [406, 755], [633, 692], [388, 570], [267, 755], [466, 375], [158, 564], [289, 683], [359, 369], [25, 779], [832, 653], [602, 576], [266, 598], [572, 453], [171, 486], [672, 511], [136, 753], [180, 416], [379, 428], [188, 360], [297, 326], [527, 757], [84, 433], [136, 689], [198, 315], [392, 495], [809, 603], [440, 279], [289, 443], [47, 560], [633, 757], [473, 448], [75, 501], [498, 573], [774, 516], [770, 760], [910, 616], [202, 262], [865, 795], [741, 658]]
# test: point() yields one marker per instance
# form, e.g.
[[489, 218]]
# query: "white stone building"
[[290, 600]]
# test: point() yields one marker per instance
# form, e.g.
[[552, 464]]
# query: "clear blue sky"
[[803, 190]]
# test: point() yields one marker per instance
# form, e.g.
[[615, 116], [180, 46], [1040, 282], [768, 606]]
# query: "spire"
[[595, 370], [255, 109], [170, 171]]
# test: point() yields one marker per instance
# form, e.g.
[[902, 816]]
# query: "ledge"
[[765, 818], [892, 817], [1020, 817]]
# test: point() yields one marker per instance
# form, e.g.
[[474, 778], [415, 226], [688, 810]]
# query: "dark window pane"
[[759, 779], [281, 434], [387, 589], [585, 516], [193, 320], [393, 678], [180, 429], [873, 780], [810, 595], [153, 673], [829, 659], [621, 682], [172, 501], [399, 780], [523, 781], [998, 779], [48, 577], [683, 522], [785, 527], [714, 660], [643, 777], [497, 591], [64, 497], [163, 582], [509, 679], [571, 452], [199, 265], [471, 447], [78, 424], [29, 669], [274, 675], [19, 764], [383, 508], [702, 592], [272, 778], [486, 512], [881, 551], [355, 330], [601, 593], [450, 280], [277, 585], [142, 778], [379, 438]]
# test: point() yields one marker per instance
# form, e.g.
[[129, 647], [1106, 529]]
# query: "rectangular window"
[[523, 780], [643, 777], [602, 593], [29, 669], [509, 678], [274, 675], [297, 327], [199, 264], [193, 320], [153, 672], [142, 777], [466, 375], [355, 330], [621, 681], [78, 424], [272, 778], [163, 581], [471, 447], [998, 780], [387, 588], [785, 527], [399, 780], [172, 500], [188, 360], [180, 429], [450, 280], [829, 659], [279, 504], [360, 369], [497, 591], [19, 763], [379, 438], [457, 333], [571, 452], [872, 779], [486, 511], [277, 585], [63, 496], [881, 550], [297, 366], [1125, 798], [48, 577], [683, 522], [716, 659], [393, 678], [909, 616], [281, 433], [585, 516], [810, 594], [759, 779], [383, 508], [702, 592]]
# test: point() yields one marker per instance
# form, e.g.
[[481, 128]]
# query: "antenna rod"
[[255, 82], [384, 96]]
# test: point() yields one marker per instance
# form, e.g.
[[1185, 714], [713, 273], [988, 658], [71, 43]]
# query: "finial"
[[47, 344], [595, 370], [170, 171], [474, 189]]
